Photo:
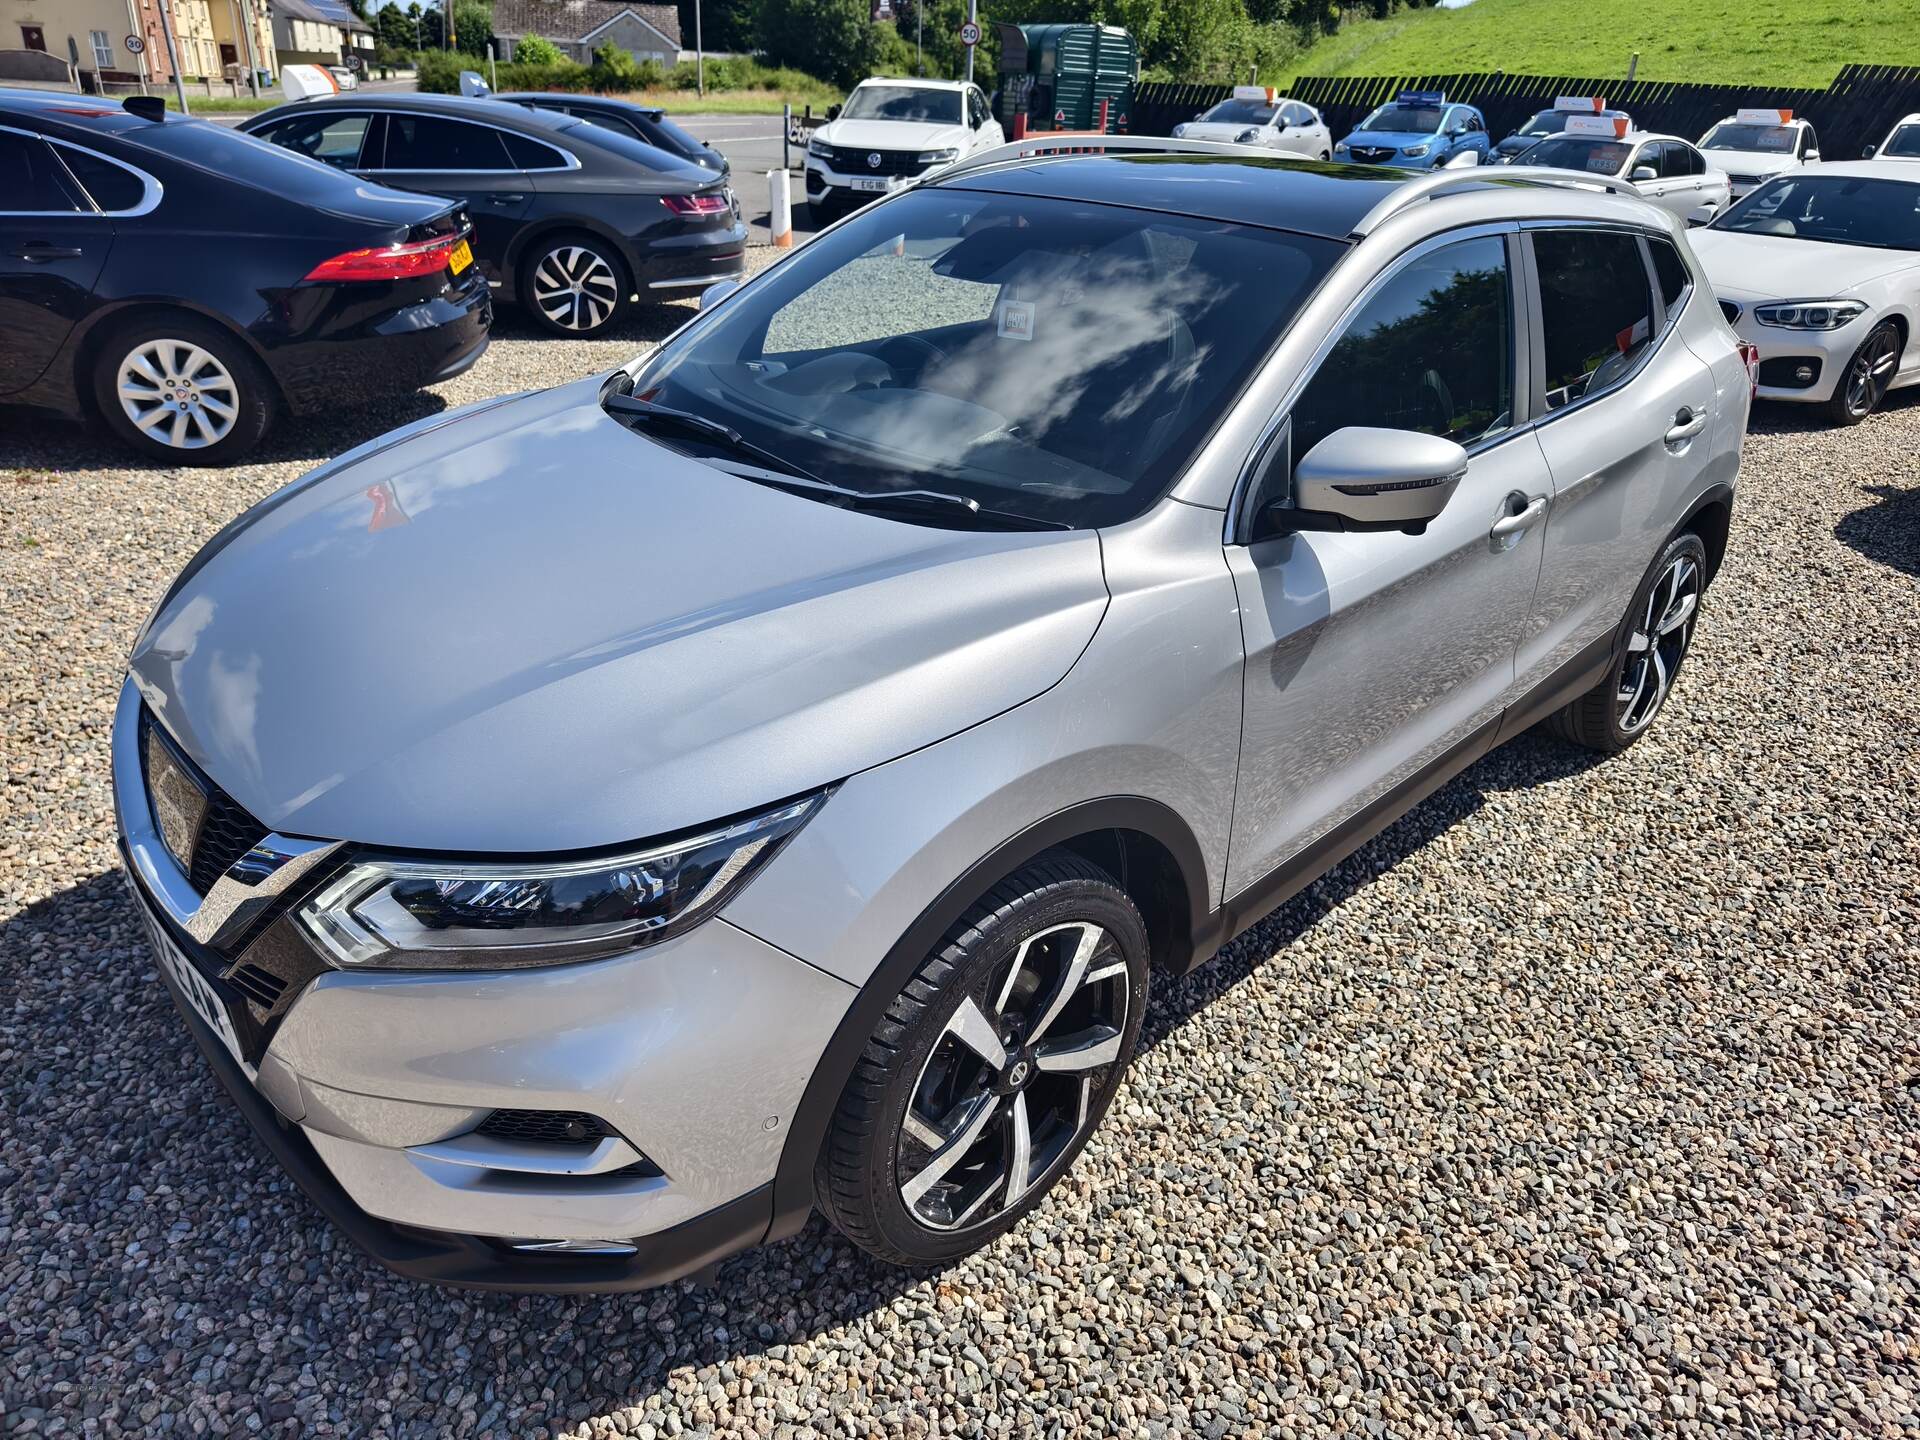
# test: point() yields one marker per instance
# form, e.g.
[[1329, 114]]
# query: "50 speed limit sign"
[[970, 34]]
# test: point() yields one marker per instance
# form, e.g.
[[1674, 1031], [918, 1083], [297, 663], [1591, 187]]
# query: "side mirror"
[[1465, 160], [716, 292], [1372, 479], [1643, 172], [833, 112], [1813, 156], [1867, 153]]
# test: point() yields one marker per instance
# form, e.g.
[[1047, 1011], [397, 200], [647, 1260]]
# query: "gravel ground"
[[1584, 1100]]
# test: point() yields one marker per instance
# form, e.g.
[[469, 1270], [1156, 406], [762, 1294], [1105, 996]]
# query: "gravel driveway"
[[1585, 1099]]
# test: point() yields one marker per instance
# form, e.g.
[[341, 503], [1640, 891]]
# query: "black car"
[[570, 220], [643, 122], [186, 283]]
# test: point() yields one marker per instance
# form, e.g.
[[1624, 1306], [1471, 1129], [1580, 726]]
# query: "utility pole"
[[919, 37], [973, 18], [243, 14], [699, 52], [173, 55], [446, 29]]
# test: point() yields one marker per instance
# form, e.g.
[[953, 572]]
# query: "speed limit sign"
[[969, 34], [135, 44]]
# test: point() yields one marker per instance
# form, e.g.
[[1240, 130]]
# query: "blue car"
[[1417, 130]]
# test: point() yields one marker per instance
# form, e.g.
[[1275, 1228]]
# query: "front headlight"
[[1341, 148], [429, 915], [1180, 132], [1246, 137], [1414, 152], [936, 157], [820, 148], [1810, 314]]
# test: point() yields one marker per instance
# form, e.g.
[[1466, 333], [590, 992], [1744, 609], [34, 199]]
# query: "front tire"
[[991, 1068], [179, 389], [1655, 638], [574, 285], [1863, 384]]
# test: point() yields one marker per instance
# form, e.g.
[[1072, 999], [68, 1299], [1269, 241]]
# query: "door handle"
[[1532, 510], [1687, 424], [505, 199], [40, 250]]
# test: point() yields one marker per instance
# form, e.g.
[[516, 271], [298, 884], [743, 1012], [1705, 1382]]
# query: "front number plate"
[[189, 981], [461, 258], [872, 186]]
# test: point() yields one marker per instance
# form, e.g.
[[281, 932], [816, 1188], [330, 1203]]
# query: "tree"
[[393, 27], [725, 25], [537, 50], [472, 25], [834, 39]]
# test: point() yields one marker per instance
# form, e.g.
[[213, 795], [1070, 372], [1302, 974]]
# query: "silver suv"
[[589, 830]]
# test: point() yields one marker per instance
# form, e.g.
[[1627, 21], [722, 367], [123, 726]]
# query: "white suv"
[[889, 132]]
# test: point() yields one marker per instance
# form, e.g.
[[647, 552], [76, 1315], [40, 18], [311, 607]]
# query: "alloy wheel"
[[1013, 1079], [1871, 370], [178, 394], [575, 288], [1655, 649]]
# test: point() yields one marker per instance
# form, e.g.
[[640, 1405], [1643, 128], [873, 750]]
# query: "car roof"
[[1308, 197], [913, 83], [1875, 169], [84, 112], [1798, 122], [560, 97], [495, 112]]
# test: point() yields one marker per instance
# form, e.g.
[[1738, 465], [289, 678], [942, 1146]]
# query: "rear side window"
[[1671, 272], [532, 155], [1596, 310], [429, 142], [335, 139], [113, 187], [30, 178], [1432, 351]]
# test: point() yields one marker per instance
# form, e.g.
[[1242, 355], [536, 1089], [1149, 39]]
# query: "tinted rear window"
[[651, 157], [111, 187], [670, 136], [244, 158]]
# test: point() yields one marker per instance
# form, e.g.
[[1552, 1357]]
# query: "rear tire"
[[1654, 639], [182, 390], [991, 1068], [1870, 369], [574, 285]]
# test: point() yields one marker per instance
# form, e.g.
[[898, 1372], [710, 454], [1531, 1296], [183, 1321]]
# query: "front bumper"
[[370, 1087], [1826, 352], [826, 183]]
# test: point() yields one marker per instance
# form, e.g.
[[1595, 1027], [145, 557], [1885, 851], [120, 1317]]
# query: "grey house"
[[579, 27]]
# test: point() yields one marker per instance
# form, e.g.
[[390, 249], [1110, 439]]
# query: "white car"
[[1664, 168], [1753, 146], [1253, 115], [1902, 142], [890, 132], [1821, 270]]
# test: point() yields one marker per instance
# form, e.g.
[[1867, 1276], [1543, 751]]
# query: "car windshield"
[[903, 102], [1051, 360], [1904, 141], [1729, 135], [1578, 152], [1416, 119], [1240, 112], [1841, 209], [1547, 122]]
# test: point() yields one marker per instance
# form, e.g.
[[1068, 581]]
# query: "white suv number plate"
[[872, 185], [200, 995]]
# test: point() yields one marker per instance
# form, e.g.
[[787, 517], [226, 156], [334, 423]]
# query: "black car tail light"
[[708, 204], [388, 262]]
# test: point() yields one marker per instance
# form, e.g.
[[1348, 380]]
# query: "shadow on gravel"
[[1888, 532], [175, 1198]]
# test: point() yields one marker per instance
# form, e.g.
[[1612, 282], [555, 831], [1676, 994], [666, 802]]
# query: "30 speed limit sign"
[[969, 34]]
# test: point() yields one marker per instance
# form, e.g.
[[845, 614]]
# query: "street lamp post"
[[173, 54], [699, 52]]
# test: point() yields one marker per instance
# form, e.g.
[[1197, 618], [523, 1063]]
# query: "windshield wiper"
[[627, 408]]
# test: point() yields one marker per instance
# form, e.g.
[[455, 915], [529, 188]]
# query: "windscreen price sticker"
[[1614, 128], [969, 34]]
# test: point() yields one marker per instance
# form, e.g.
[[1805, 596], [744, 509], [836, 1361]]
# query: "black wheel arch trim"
[[793, 1183]]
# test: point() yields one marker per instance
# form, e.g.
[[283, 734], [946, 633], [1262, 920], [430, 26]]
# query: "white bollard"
[[780, 186]]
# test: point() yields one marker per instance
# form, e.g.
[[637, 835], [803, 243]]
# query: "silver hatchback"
[[592, 829]]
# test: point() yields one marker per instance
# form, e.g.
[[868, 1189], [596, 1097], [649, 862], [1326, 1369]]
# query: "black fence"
[[1855, 111]]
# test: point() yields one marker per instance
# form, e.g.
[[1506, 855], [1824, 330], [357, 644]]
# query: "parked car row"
[[187, 283]]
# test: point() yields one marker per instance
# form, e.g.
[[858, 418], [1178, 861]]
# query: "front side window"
[[1838, 209], [1671, 272], [1577, 152], [1054, 359], [1596, 310], [429, 142], [1432, 351], [114, 188], [1809, 142], [335, 139], [903, 102], [31, 182]]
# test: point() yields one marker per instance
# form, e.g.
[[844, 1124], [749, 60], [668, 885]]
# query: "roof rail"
[[1443, 182], [1083, 143]]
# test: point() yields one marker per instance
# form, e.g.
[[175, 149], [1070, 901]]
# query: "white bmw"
[[1820, 269]]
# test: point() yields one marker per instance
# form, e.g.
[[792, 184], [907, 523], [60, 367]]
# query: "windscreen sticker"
[[1016, 320]]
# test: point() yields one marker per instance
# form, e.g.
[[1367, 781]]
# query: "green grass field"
[[1761, 42]]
